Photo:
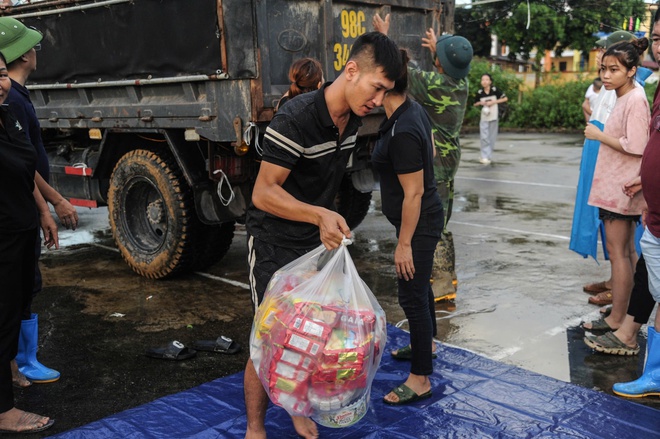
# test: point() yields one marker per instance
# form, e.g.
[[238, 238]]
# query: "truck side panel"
[[132, 40], [327, 31]]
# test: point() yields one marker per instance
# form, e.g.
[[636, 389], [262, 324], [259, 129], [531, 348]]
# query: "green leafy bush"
[[552, 106]]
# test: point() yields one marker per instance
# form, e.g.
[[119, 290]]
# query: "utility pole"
[[447, 16]]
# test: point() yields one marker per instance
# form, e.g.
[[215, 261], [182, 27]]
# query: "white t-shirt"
[[604, 103], [592, 96]]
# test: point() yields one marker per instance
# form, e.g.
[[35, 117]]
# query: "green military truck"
[[156, 108]]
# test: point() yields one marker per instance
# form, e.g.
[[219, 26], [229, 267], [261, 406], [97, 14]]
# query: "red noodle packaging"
[[317, 338]]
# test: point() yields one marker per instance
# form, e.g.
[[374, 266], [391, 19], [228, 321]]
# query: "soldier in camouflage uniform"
[[443, 93]]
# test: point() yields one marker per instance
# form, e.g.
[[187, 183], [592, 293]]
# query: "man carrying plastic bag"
[[306, 148], [317, 338]]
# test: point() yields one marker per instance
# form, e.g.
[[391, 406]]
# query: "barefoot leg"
[[305, 427]]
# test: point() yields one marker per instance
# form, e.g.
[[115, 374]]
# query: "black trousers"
[[17, 260], [641, 302], [416, 295]]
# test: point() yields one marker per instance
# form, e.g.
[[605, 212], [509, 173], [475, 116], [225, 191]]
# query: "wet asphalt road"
[[519, 294]]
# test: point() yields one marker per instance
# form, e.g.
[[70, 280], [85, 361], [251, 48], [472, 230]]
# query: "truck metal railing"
[[41, 13], [131, 82]]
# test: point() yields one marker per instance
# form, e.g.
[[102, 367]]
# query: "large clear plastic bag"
[[317, 338]]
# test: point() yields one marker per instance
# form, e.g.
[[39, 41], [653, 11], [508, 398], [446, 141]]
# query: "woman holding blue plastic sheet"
[[403, 158]]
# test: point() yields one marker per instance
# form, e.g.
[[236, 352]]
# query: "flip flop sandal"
[[405, 353], [20, 381], [222, 344], [407, 395], [595, 288], [598, 325], [174, 351], [606, 311], [601, 299], [32, 430], [608, 343]]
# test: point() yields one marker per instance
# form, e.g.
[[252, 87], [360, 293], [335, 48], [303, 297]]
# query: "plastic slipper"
[[174, 351], [407, 395], [608, 343], [405, 353], [598, 325], [606, 311], [601, 299], [595, 288], [222, 344]]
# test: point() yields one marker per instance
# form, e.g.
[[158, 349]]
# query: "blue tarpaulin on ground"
[[473, 397]]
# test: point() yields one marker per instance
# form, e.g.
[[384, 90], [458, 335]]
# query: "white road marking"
[[549, 333], [527, 183], [222, 279], [105, 247], [504, 229]]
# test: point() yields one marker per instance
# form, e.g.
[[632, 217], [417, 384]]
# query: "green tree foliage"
[[546, 29], [586, 17], [553, 24], [475, 30]]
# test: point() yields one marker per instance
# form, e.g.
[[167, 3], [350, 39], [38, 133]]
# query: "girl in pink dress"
[[619, 159]]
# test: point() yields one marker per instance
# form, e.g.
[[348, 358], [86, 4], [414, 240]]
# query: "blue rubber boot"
[[27, 354], [649, 383]]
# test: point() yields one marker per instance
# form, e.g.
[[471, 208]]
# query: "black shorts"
[[604, 215], [264, 260]]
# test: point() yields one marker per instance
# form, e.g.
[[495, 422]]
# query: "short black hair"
[[380, 51]]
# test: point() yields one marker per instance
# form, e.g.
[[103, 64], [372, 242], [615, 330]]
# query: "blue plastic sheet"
[[473, 397], [586, 225]]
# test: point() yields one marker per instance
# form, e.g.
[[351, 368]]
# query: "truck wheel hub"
[[155, 212]]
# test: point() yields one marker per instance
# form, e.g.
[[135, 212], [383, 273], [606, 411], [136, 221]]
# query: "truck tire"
[[352, 204], [152, 216], [214, 244]]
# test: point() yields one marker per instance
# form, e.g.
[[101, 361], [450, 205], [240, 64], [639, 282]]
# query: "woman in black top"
[[22, 209], [403, 158]]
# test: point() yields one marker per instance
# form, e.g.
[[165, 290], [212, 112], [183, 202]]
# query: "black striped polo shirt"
[[303, 138]]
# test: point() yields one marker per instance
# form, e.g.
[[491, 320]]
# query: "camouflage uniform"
[[444, 99]]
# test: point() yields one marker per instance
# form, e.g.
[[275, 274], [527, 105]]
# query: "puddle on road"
[[472, 202], [105, 286]]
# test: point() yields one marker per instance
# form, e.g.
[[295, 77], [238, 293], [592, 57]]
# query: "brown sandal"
[[601, 299], [596, 287]]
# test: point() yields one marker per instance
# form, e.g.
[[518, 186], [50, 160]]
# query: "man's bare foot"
[[305, 427], [17, 378], [19, 421]]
